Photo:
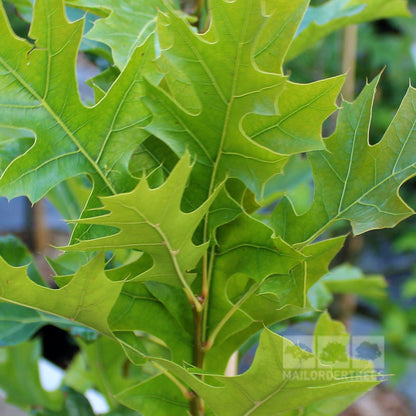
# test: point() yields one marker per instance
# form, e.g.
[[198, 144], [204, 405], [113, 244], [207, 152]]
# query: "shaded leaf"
[[18, 323], [103, 365], [143, 388], [137, 18], [349, 279], [14, 251], [70, 197], [137, 309], [322, 20], [75, 404], [276, 298], [13, 142], [246, 257], [157, 396]]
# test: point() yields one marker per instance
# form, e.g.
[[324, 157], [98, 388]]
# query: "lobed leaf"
[[246, 296], [137, 19], [225, 102], [281, 381], [151, 221], [356, 181], [39, 93], [85, 300], [229, 122]]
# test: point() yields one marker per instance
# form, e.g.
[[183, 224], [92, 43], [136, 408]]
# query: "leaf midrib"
[[226, 119], [352, 157], [166, 243], [291, 114], [356, 201], [59, 122]]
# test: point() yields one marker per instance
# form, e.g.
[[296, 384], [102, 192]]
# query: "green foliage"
[[66, 146], [273, 384], [189, 137], [346, 279], [321, 20], [353, 180], [138, 20], [19, 377]]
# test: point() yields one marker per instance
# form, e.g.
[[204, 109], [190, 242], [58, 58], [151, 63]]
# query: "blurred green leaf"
[[320, 21], [395, 325], [19, 377], [347, 279], [409, 288], [75, 404], [14, 251]]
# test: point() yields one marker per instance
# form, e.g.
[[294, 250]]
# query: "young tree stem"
[[196, 404]]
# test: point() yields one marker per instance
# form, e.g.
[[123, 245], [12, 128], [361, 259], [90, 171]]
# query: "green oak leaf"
[[193, 273], [143, 387], [24, 9], [356, 181], [350, 279], [14, 251], [302, 109], [102, 82], [296, 176], [158, 396], [70, 197], [19, 323], [151, 221], [248, 304], [282, 380], [322, 20], [87, 299], [247, 256], [334, 405], [234, 112], [40, 94], [137, 18], [141, 307], [13, 142]]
